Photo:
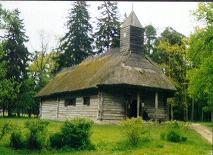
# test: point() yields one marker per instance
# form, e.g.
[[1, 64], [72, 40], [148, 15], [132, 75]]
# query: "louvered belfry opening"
[[132, 35]]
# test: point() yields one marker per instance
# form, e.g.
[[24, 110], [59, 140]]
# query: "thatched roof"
[[112, 68]]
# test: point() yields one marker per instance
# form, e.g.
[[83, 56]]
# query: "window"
[[70, 102], [87, 101]]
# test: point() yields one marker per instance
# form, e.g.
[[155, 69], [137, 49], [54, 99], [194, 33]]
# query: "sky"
[[49, 17]]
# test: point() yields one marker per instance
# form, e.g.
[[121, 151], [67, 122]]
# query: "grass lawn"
[[109, 139], [208, 124]]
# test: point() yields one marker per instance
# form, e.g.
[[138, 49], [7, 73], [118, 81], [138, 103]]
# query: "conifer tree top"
[[132, 20]]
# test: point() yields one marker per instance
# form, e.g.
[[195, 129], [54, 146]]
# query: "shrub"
[[133, 128], [173, 136], [173, 125], [74, 133], [17, 140], [56, 140], [6, 129], [37, 136], [174, 132], [183, 138]]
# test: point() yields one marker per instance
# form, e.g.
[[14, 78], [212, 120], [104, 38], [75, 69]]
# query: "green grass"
[[109, 139], [208, 124]]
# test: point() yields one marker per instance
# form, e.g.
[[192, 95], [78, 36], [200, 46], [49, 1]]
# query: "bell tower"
[[132, 35]]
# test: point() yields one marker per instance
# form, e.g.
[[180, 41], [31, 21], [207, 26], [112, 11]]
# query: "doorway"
[[132, 108]]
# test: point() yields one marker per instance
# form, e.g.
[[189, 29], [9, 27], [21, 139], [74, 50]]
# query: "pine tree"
[[76, 45], [108, 27], [16, 54]]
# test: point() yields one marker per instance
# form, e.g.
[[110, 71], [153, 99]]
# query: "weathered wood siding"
[[49, 109], [132, 38], [106, 106], [149, 105], [54, 109], [112, 107]]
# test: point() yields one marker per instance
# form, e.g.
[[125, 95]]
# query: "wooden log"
[[156, 105]]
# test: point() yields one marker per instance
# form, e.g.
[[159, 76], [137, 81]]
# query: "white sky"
[[50, 17]]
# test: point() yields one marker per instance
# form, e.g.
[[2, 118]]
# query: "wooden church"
[[116, 85]]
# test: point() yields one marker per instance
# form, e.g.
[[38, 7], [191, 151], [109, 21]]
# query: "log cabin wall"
[[56, 109], [113, 107], [49, 109], [107, 107]]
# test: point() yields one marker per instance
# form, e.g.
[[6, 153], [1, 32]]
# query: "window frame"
[[70, 102], [86, 100]]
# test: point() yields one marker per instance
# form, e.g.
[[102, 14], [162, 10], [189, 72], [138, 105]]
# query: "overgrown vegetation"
[[37, 135], [17, 140], [35, 138], [108, 139], [175, 132], [134, 129], [74, 133], [6, 128]]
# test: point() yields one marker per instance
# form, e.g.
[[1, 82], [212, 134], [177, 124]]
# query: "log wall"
[[113, 107], [107, 107], [53, 109]]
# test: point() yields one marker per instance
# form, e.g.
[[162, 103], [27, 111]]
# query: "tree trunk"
[[9, 111], [192, 113], [18, 112], [29, 114], [187, 113], [3, 109], [202, 115]]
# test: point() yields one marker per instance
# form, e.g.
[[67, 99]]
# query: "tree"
[[16, 54], [28, 103], [8, 87], [201, 57], [170, 51], [108, 27], [41, 69], [150, 37], [76, 44], [43, 63]]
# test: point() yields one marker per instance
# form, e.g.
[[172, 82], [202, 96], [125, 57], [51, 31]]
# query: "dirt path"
[[203, 131]]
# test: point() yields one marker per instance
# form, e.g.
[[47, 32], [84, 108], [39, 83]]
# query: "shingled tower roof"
[[132, 20]]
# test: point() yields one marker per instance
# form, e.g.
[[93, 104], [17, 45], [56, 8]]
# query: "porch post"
[[40, 108], [156, 105], [138, 104]]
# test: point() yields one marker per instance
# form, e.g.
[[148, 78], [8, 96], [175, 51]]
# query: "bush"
[[173, 124], [173, 136], [174, 132], [56, 140], [6, 129], [17, 140], [74, 133], [133, 128], [37, 136]]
